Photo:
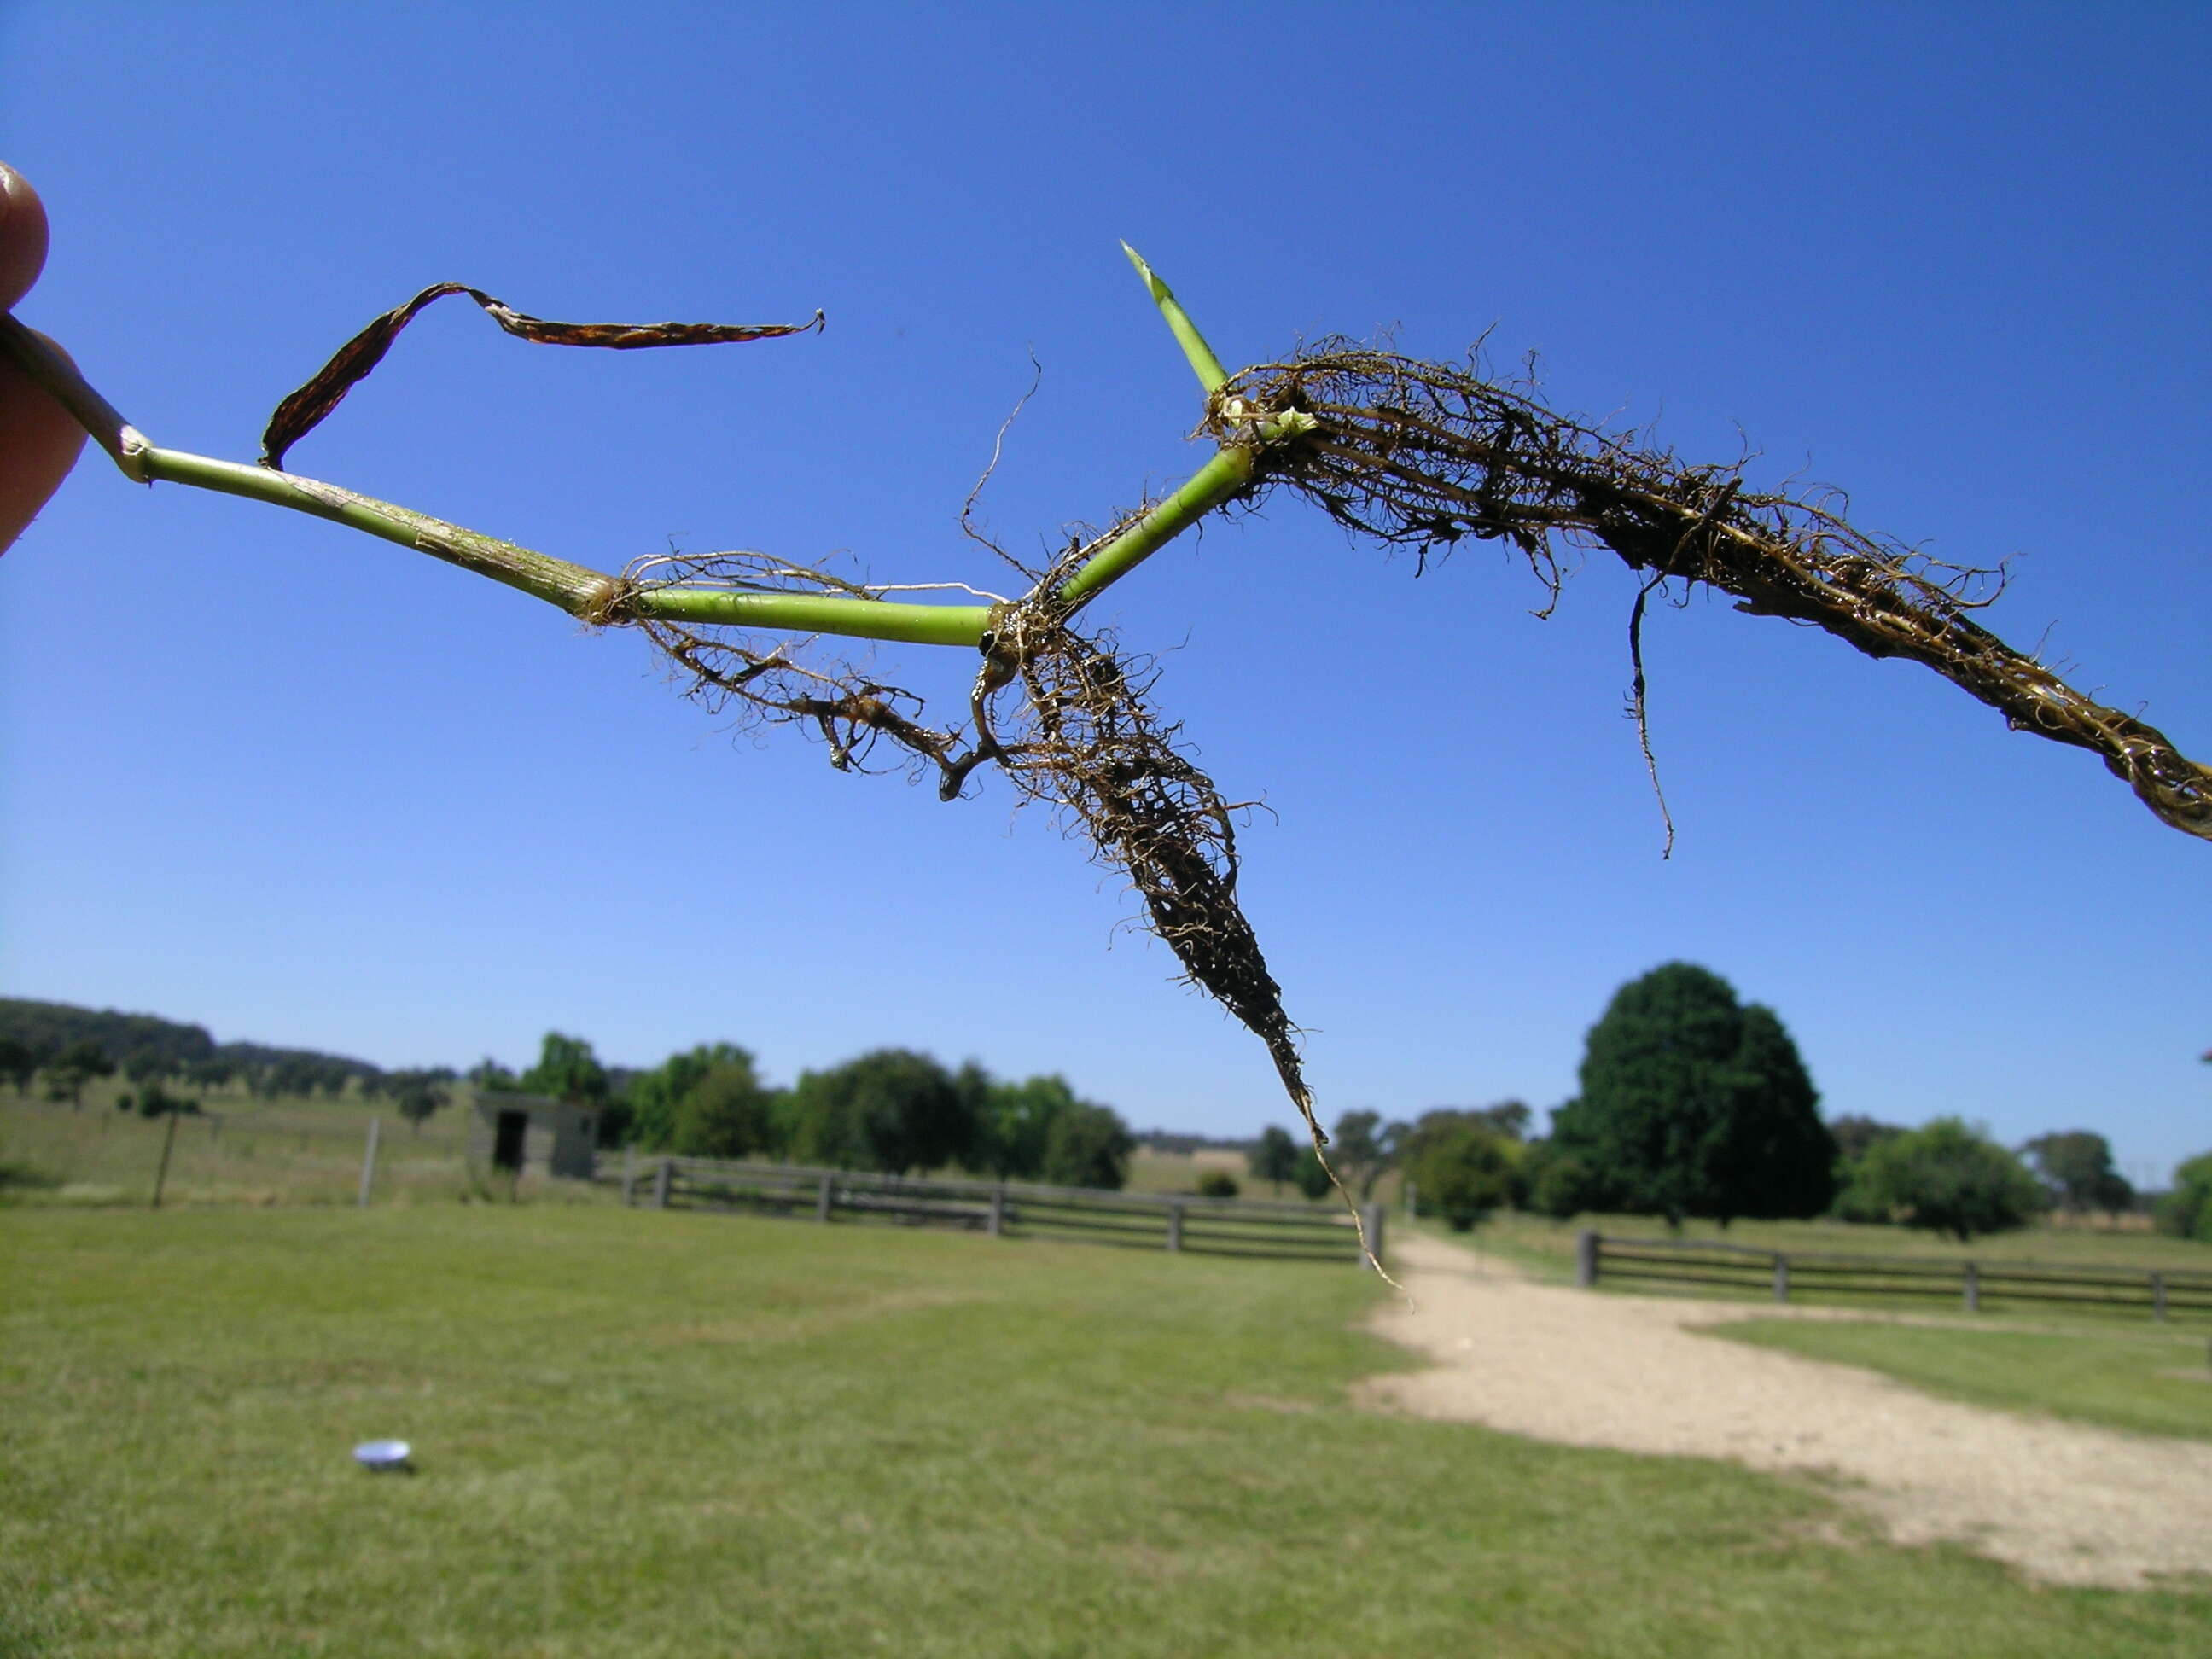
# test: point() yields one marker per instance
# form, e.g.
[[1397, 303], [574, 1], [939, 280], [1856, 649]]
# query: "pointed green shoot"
[[1203, 363]]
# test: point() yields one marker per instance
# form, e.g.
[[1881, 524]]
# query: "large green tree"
[[1951, 1179], [1411, 1144], [1089, 1146], [1856, 1136], [2186, 1210], [1461, 1171], [567, 1069], [1695, 1105], [1013, 1121], [726, 1112], [2077, 1166], [654, 1096], [892, 1109]]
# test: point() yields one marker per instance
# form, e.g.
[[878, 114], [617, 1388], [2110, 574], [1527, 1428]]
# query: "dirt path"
[[2064, 1502]]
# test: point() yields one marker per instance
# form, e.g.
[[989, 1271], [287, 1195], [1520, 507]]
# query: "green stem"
[[1228, 472], [577, 589], [815, 613]]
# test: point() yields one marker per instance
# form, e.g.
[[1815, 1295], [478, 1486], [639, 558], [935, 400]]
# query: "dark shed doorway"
[[506, 1142]]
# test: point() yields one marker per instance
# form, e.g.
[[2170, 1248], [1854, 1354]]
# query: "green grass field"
[[239, 1152], [645, 1433], [2155, 1383]]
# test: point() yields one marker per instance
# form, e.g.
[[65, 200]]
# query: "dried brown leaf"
[[304, 410]]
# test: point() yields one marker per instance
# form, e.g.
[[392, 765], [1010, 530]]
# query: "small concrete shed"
[[522, 1132]]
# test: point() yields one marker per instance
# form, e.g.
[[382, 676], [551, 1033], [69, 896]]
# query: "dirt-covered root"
[[1085, 740], [1425, 454], [1089, 744]]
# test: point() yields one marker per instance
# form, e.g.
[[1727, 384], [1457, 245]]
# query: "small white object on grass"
[[379, 1456]]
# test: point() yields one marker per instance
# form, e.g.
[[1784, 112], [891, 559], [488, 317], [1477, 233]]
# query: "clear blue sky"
[[306, 788]]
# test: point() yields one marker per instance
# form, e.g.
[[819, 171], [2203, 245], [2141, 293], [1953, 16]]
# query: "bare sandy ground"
[[2064, 1503]]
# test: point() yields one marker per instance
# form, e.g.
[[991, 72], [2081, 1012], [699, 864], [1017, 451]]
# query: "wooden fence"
[[2161, 1292], [1172, 1221]]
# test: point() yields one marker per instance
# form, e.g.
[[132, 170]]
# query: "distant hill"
[[47, 1027]]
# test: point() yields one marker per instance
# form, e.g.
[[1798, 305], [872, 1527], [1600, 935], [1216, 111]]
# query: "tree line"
[[1693, 1103], [890, 1111], [893, 1110], [70, 1047]]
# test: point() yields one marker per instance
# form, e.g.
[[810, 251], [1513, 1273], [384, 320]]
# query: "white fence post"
[[369, 1163]]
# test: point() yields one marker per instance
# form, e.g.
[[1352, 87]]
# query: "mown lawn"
[[2157, 1383], [645, 1433]]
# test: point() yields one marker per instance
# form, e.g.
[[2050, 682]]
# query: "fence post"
[[1973, 1289], [369, 1163], [2158, 1296], [663, 1178], [1174, 1224], [1781, 1277], [825, 1198], [1371, 1215], [1586, 1250], [629, 1175], [161, 1175], [998, 1213]]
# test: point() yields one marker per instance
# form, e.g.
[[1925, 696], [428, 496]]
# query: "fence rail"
[[2162, 1292], [1170, 1221]]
